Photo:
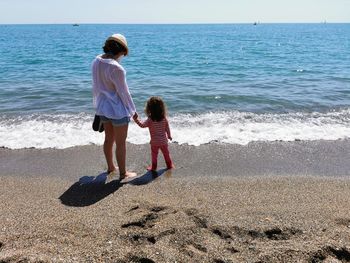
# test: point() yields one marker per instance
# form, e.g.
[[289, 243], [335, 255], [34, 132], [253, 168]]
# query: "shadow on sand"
[[149, 177], [92, 189], [89, 190]]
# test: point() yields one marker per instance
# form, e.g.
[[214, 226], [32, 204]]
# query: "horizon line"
[[175, 23]]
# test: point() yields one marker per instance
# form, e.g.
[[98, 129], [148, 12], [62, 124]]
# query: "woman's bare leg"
[[120, 134], [108, 146]]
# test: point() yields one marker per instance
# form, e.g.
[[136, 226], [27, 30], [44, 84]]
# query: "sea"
[[222, 83]]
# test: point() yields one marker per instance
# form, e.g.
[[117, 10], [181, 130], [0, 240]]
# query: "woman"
[[113, 102]]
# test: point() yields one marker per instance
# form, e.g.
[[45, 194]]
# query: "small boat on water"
[[75, 24]]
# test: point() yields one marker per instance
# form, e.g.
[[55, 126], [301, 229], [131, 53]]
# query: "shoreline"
[[316, 158], [264, 202], [231, 127]]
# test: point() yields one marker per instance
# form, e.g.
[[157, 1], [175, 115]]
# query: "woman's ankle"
[[112, 170]]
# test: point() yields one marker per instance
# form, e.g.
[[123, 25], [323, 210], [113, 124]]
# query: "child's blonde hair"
[[155, 109]]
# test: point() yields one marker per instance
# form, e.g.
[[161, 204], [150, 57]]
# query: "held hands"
[[135, 117]]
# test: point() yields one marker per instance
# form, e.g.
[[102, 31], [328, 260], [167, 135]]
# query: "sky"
[[173, 11]]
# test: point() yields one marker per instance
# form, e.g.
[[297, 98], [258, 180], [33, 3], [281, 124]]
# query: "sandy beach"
[[263, 202]]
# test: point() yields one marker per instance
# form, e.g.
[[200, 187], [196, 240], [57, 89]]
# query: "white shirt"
[[111, 96]]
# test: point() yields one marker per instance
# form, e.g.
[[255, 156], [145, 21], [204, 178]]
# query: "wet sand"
[[264, 202]]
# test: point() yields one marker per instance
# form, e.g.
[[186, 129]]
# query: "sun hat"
[[121, 40]]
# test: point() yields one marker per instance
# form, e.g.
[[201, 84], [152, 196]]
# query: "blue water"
[[257, 70]]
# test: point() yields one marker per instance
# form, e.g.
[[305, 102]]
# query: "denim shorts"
[[116, 122]]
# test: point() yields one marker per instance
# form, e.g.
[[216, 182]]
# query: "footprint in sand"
[[329, 252], [343, 222]]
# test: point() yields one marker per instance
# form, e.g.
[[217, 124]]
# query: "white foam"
[[48, 131], [62, 131]]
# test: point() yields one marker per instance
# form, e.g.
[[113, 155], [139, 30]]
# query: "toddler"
[[159, 130]]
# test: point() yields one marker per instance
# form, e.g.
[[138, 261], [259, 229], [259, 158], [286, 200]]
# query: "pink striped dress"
[[159, 130]]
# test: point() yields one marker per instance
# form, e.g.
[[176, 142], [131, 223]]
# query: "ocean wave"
[[66, 130]]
